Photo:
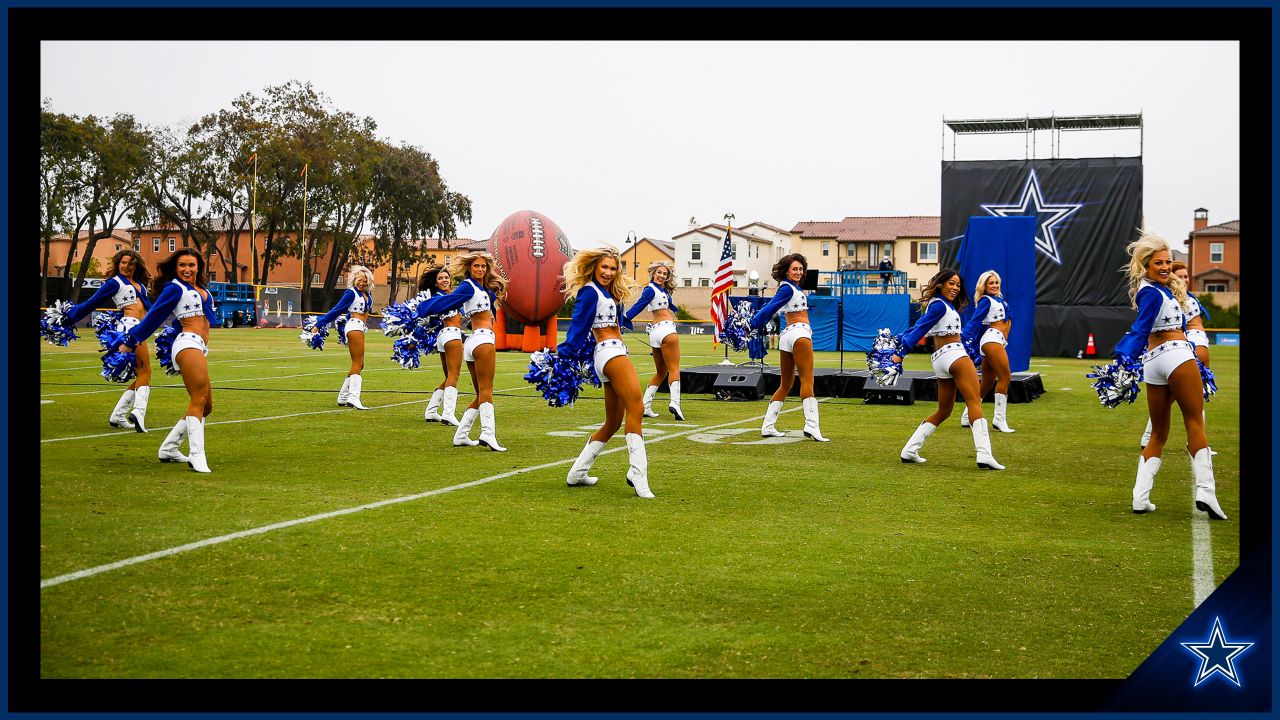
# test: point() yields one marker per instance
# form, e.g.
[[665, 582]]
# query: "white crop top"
[[360, 304], [661, 300], [1192, 308], [478, 302], [606, 309], [1170, 316], [125, 295], [949, 324], [190, 304], [995, 312], [798, 301]]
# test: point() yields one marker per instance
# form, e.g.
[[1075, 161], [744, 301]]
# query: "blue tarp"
[[1006, 245], [864, 315]]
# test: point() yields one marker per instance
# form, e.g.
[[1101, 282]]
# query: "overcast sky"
[[610, 137]]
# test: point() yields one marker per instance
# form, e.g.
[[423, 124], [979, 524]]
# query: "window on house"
[[928, 252], [137, 244], [1215, 252], [688, 282], [155, 245], [213, 276], [173, 244], [911, 284], [850, 250], [704, 282], [826, 249], [1215, 287], [734, 250], [117, 247], [695, 251]]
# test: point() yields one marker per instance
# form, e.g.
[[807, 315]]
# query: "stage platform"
[[751, 382]]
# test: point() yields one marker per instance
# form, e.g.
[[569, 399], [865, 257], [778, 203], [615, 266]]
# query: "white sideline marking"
[[1201, 554], [88, 572]]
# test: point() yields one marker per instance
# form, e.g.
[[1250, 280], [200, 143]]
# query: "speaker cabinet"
[[901, 392], [739, 385]]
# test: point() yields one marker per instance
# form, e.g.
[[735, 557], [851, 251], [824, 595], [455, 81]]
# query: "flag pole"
[[728, 233], [302, 281], [253, 221]]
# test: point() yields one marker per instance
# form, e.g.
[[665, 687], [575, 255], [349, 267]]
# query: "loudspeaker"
[[901, 392], [739, 384], [810, 280]]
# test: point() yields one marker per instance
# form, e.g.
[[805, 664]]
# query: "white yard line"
[[89, 572], [1201, 554]]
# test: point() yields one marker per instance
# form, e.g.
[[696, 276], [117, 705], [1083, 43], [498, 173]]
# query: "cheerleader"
[[592, 279], [479, 291], [795, 345], [656, 298], [357, 302], [1196, 316], [179, 287], [437, 281], [991, 311], [951, 364], [1169, 370], [126, 287]]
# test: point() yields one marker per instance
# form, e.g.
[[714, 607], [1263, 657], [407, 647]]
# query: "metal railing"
[[861, 282]]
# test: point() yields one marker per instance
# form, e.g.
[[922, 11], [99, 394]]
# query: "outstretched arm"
[[343, 303], [159, 312], [440, 304], [780, 298]]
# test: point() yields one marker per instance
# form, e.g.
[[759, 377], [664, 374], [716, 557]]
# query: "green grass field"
[[794, 560]]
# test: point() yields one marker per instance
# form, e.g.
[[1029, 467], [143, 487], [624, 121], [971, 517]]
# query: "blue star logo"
[[1217, 655], [1033, 203]]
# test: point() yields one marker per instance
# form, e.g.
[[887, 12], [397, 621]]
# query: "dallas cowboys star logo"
[[1216, 655], [1033, 203]]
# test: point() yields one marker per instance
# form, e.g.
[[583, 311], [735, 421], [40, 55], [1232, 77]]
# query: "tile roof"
[[872, 228], [1227, 228]]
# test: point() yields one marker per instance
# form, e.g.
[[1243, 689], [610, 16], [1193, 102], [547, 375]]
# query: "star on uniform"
[[1216, 655]]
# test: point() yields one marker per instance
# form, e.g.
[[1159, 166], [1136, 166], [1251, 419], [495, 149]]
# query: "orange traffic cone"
[[1090, 350]]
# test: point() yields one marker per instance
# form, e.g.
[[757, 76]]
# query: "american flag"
[[723, 284]]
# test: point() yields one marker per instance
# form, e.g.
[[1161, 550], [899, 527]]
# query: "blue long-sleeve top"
[[978, 319], [766, 313], [344, 302], [647, 297], [443, 303], [931, 316], [578, 339], [1150, 299], [162, 308], [105, 292]]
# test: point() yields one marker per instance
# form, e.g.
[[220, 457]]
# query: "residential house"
[[859, 243], [1213, 258]]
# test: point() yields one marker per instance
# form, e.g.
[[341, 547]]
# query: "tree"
[[63, 156], [177, 188]]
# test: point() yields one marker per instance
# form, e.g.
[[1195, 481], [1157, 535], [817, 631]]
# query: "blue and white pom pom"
[[407, 352], [311, 337], [1119, 382], [971, 349], [1210, 384], [737, 331], [164, 350], [559, 379], [120, 367], [55, 327], [399, 319], [341, 326], [426, 335], [104, 320], [884, 371]]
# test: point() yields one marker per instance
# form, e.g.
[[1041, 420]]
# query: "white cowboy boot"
[[649, 392], [811, 430], [1205, 418], [171, 448], [578, 473], [771, 417], [1147, 469], [461, 435], [1206, 490], [353, 390], [195, 438], [1002, 407], [433, 408], [120, 416], [450, 402], [344, 395], [911, 451], [982, 443], [489, 428], [964, 417], [138, 415], [638, 474], [674, 407], [1146, 435]]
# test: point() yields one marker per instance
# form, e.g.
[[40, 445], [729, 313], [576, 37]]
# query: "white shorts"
[[792, 333], [1159, 362], [185, 341], [605, 351], [483, 336], [353, 325], [1198, 337], [447, 335], [659, 330], [944, 356], [992, 335], [124, 324]]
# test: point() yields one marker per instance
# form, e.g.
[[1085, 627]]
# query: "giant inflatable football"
[[530, 251]]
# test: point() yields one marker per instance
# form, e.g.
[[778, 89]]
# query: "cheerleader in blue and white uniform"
[[357, 302], [126, 288], [656, 298], [179, 287], [437, 281], [593, 280], [1158, 337], [795, 345], [1196, 315], [479, 291], [941, 300], [992, 313]]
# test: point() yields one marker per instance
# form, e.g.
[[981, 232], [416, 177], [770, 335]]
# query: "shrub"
[[1220, 317]]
